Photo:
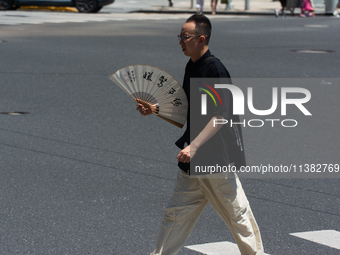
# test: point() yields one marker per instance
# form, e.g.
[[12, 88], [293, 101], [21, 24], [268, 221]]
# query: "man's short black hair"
[[203, 26]]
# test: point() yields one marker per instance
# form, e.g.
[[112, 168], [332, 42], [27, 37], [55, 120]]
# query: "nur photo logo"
[[280, 98], [204, 97]]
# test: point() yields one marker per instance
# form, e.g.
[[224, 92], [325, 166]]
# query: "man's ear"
[[202, 39]]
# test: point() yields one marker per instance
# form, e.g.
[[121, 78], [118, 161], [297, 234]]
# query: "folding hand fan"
[[151, 85]]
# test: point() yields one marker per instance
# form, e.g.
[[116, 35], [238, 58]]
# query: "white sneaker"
[[336, 14]]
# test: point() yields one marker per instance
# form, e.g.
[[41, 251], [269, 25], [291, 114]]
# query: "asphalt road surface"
[[81, 172]]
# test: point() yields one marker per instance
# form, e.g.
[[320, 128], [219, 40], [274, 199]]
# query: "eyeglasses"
[[186, 37]]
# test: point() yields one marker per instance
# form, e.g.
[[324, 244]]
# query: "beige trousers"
[[190, 197]]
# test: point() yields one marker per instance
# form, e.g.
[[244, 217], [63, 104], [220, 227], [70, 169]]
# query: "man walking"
[[191, 195]]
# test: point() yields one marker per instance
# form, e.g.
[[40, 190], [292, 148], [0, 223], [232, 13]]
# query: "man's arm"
[[209, 131], [188, 152]]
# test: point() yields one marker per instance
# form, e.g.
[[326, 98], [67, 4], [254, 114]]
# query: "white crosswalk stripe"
[[219, 248], [330, 238], [38, 17]]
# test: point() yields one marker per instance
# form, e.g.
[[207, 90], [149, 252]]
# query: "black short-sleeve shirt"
[[228, 142]]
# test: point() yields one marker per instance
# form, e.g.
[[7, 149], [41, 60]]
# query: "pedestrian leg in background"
[[170, 3], [336, 11], [213, 6], [199, 6], [307, 9], [290, 5], [283, 7], [181, 214], [228, 199]]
